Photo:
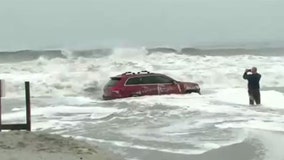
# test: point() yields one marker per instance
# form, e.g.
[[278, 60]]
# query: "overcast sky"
[[71, 23]]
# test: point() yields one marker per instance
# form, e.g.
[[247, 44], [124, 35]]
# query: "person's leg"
[[251, 99], [257, 96]]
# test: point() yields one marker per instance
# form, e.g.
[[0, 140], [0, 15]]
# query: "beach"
[[23, 145]]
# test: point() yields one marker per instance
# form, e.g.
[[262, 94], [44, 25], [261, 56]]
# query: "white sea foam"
[[64, 76], [59, 116]]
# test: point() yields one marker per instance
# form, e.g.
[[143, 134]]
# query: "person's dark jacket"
[[253, 80]]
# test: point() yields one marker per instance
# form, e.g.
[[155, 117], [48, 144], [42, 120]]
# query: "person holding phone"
[[253, 85]]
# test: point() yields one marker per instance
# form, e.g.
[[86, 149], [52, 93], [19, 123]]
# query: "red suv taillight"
[[115, 90]]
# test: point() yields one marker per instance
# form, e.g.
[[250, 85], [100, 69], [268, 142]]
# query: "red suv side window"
[[149, 80], [134, 81], [156, 79], [162, 79]]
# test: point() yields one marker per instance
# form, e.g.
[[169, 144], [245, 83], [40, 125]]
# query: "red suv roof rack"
[[128, 73], [143, 72]]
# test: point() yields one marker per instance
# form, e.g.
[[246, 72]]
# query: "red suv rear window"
[[113, 81]]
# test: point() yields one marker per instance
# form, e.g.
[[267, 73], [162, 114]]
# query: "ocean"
[[66, 90]]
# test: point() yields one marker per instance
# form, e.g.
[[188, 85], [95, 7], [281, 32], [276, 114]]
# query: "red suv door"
[[133, 87], [149, 85], [142, 85], [167, 85]]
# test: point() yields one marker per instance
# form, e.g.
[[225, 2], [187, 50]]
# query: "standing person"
[[253, 85]]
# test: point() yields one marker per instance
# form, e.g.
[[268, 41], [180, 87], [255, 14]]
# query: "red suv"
[[145, 83]]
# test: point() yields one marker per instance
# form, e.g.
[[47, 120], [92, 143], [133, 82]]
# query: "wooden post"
[[27, 125], [0, 105], [28, 106]]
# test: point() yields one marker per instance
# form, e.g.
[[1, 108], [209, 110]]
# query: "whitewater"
[[66, 90]]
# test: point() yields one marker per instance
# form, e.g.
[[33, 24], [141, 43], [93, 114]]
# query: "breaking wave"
[[27, 55]]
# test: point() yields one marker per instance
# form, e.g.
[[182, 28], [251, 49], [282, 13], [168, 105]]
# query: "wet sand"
[[20, 145]]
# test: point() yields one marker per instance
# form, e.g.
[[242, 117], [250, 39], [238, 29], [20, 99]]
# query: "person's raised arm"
[[245, 75]]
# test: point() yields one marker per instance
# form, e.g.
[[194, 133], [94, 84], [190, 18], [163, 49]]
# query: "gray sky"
[[93, 23]]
